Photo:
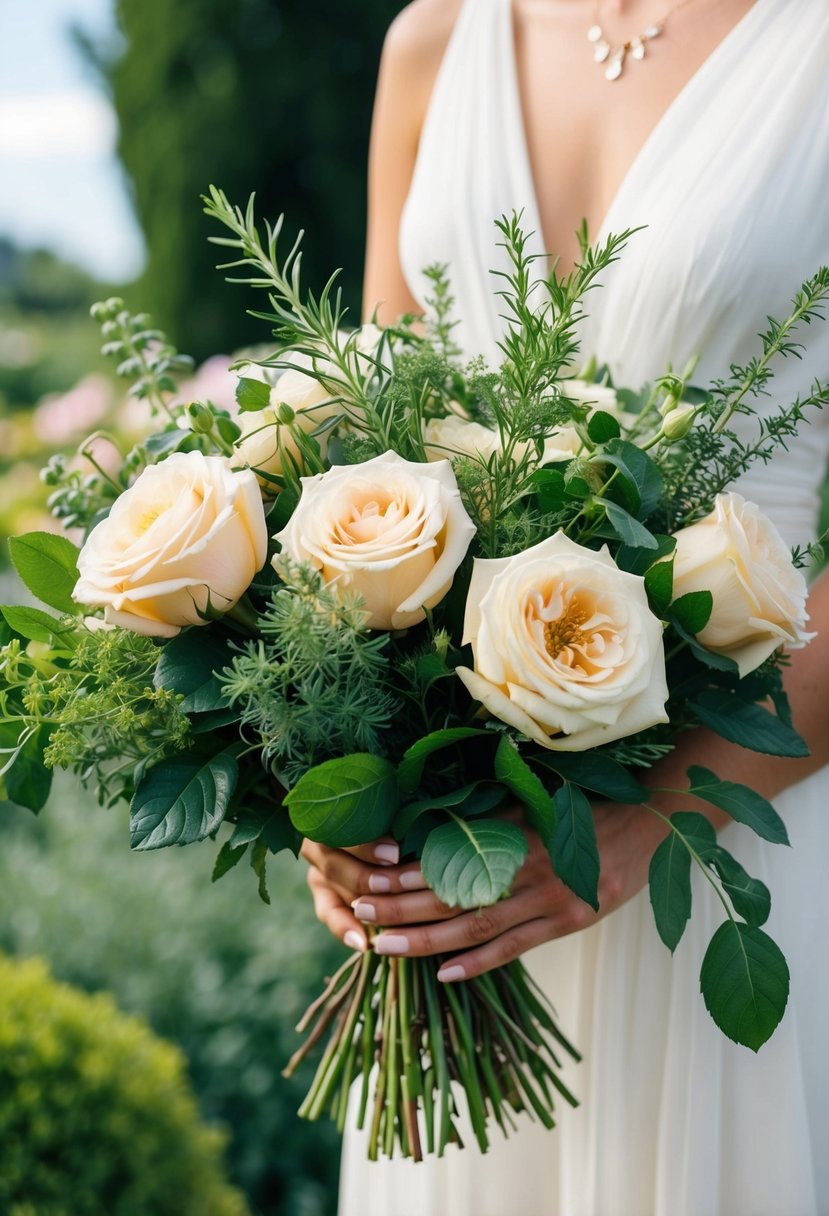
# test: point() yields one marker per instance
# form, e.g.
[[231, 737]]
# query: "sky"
[[61, 186]]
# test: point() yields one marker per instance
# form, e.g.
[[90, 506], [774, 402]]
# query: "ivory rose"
[[188, 535], [454, 436], [738, 555], [264, 441], [565, 646], [393, 531]]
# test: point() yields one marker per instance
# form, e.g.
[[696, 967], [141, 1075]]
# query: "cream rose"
[[391, 530], [454, 436], [264, 442], [738, 555], [565, 646], [188, 535]]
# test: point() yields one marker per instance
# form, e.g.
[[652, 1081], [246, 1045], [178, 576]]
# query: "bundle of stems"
[[417, 1048]]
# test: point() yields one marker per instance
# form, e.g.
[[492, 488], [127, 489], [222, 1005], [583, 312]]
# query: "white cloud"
[[75, 122]]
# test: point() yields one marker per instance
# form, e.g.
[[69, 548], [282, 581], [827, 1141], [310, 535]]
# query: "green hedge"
[[210, 967], [96, 1117]]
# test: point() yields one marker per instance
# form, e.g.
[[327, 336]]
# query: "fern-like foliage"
[[317, 683]]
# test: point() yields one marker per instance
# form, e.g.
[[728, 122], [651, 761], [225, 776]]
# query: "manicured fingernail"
[[413, 880], [391, 943], [356, 941], [364, 911], [448, 975], [379, 884], [389, 853]]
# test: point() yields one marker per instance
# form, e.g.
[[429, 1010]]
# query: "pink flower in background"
[[213, 381], [59, 419]]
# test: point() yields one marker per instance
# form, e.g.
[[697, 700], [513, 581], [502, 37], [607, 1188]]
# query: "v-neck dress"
[[733, 187]]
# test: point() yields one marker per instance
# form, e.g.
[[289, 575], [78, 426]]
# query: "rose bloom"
[[566, 648], [738, 555], [188, 535], [264, 442], [454, 436], [391, 530]]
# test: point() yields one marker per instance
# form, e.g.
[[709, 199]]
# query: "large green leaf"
[[179, 802], [641, 481], [659, 584], [628, 529], [472, 864], [252, 394], [693, 611], [410, 769], [37, 626], [28, 781], [748, 725], [669, 879], [188, 665], [48, 565], [347, 801], [574, 851], [514, 772], [594, 771], [745, 983], [740, 802]]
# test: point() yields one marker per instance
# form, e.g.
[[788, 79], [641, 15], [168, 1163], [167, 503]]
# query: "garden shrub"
[[96, 1115]]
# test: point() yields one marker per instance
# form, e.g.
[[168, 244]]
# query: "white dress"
[[734, 187]]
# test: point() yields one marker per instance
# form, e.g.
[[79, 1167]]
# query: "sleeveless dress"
[[733, 185]]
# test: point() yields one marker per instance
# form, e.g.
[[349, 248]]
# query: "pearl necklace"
[[615, 56]]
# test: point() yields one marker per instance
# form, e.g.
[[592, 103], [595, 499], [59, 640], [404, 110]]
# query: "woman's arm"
[[540, 907], [411, 56]]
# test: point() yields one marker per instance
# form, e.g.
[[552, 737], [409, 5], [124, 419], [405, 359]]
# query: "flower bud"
[[200, 418], [678, 422]]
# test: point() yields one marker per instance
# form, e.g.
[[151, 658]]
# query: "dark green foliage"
[[259, 96], [96, 1116]]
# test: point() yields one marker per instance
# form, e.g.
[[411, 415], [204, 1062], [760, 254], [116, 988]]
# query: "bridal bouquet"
[[398, 593]]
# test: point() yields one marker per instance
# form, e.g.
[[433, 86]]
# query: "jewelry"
[[614, 56]]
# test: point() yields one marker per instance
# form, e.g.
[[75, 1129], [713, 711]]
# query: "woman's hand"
[[348, 889]]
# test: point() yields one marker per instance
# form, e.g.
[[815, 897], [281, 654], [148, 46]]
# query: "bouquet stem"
[[420, 1049]]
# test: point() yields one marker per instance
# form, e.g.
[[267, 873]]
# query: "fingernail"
[[364, 911], [355, 940], [389, 853], [391, 943], [379, 884], [448, 975], [413, 880]]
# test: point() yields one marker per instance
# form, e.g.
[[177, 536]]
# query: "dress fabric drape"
[[733, 186]]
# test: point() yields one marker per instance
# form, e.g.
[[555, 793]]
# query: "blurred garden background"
[[115, 116]]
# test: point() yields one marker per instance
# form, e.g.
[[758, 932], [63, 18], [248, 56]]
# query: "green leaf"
[[602, 427], [514, 772], [628, 529], [601, 774], [162, 443], [188, 664], [749, 897], [659, 584], [228, 856], [697, 831], [347, 801], [258, 863], [179, 803], [28, 782], [471, 865], [574, 851], [750, 726], [410, 769], [693, 611], [252, 394], [640, 477], [550, 489], [269, 822], [475, 799], [669, 879], [48, 565], [36, 626], [740, 802], [638, 561], [717, 662], [745, 983]]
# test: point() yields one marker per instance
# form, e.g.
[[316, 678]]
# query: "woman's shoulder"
[[417, 38]]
